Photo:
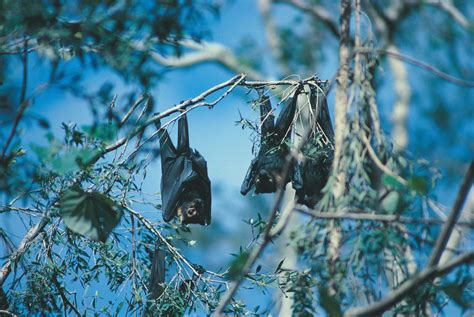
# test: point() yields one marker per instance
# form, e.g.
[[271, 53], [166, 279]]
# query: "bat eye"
[[191, 212]]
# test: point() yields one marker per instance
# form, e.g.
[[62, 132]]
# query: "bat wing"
[[171, 167], [266, 118], [183, 134], [323, 117], [176, 173], [247, 184], [200, 176], [287, 114]]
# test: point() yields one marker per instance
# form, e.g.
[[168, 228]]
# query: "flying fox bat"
[[265, 171], [318, 152], [185, 184]]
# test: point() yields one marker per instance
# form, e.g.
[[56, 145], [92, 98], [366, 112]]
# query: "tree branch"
[[452, 218], [410, 285], [22, 102], [358, 214], [203, 52], [317, 11], [449, 8], [24, 244], [421, 64]]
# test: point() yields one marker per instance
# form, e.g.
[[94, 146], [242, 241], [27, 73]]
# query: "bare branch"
[[317, 11], [449, 8], [358, 214], [421, 64], [406, 288], [22, 102], [203, 52], [24, 244], [379, 163], [452, 218], [342, 88], [466, 215], [402, 100], [132, 109]]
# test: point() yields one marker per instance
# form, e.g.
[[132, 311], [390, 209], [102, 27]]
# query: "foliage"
[[88, 249]]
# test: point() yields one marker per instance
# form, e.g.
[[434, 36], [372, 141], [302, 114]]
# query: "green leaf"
[[391, 181], [237, 265], [104, 131], [390, 202], [419, 184], [73, 160], [92, 215], [277, 270]]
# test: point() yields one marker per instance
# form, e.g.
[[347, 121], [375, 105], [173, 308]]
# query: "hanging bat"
[[265, 171], [185, 185], [318, 152]]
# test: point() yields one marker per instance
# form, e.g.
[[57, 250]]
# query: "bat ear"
[[266, 118], [183, 134], [286, 116]]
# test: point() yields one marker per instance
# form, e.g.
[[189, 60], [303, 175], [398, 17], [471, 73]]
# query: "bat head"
[[191, 208], [265, 182]]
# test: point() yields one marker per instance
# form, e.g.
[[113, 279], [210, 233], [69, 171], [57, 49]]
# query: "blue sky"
[[226, 147]]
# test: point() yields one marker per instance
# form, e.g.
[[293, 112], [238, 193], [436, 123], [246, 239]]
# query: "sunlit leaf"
[[391, 201], [92, 215]]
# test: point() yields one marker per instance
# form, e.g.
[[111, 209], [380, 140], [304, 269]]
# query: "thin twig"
[[24, 244], [410, 285], [379, 163], [454, 12], [363, 215], [452, 218], [23, 104], [317, 11], [132, 109], [421, 64]]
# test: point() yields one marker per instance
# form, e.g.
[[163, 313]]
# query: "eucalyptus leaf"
[[390, 202], [92, 215], [391, 181]]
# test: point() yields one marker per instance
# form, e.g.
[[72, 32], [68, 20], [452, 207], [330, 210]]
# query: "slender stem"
[[418, 63], [406, 288], [369, 215], [23, 103], [452, 218]]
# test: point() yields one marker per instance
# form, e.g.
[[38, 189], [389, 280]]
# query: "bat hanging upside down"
[[185, 185], [265, 171]]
